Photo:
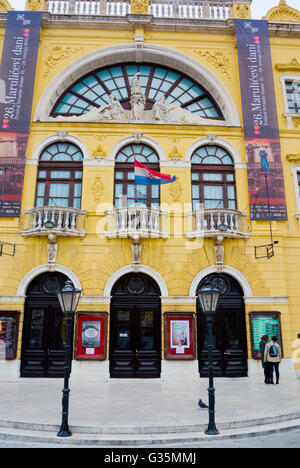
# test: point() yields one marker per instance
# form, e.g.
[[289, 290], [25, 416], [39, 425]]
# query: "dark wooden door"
[[135, 331], [229, 331], [44, 329]]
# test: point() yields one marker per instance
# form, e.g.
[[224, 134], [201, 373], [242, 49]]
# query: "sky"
[[259, 7]]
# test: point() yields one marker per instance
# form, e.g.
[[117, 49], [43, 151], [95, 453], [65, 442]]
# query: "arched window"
[[213, 178], [126, 192], [59, 180], [93, 90]]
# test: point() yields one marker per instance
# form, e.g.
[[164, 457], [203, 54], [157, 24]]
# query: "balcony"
[[193, 9], [60, 221], [218, 222], [137, 223]]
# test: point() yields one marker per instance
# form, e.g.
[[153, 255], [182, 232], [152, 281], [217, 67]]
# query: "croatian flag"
[[144, 176]]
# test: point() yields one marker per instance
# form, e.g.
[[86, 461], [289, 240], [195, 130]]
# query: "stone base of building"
[[171, 371]]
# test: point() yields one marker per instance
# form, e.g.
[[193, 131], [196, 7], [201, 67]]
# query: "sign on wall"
[[91, 336], [180, 340], [261, 130], [264, 323], [9, 326], [17, 75]]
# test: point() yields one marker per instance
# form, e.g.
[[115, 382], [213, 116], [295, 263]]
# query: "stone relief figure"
[[172, 113], [111, 111], [137, 99], [160, 113], [219, 254]]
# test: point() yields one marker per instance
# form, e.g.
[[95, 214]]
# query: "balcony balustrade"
[[218, 222], [137, 222], [193, 9], [42, 221]]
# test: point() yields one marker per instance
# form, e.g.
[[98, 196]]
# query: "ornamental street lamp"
[[208, 297], [68, 298]]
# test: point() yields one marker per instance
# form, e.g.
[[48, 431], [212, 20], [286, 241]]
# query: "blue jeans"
[[274, 366]]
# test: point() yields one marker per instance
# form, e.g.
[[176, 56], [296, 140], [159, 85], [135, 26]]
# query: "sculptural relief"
[[161, 112]]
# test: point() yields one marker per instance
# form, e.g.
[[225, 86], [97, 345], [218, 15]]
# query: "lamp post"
[[208, 297], [68, 298]]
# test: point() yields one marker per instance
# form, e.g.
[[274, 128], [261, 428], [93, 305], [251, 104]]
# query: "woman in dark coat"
[[265, 365]]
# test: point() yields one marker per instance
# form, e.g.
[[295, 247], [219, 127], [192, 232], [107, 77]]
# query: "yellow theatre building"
[[160, 82]]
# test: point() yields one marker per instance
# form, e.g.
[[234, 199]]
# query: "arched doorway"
[[44, 329], [135, 328], [229, 332]]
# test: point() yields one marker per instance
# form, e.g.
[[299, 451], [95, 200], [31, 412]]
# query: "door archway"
[[229, 332], [135, 328], [44, 329]]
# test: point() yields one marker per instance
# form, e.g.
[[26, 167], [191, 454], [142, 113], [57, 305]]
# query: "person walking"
[[265, 365], [273, 356]]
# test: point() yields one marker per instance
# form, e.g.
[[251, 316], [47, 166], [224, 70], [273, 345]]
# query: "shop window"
[[127, 193], [93, 90], [59, 181], [213, 179]]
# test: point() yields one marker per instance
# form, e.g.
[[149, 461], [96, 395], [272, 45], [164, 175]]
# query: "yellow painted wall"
[[93, 259]]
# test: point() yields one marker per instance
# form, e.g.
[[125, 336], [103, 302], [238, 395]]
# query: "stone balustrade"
[[193, 9], [137, 222], [42, 221], [218, 222]]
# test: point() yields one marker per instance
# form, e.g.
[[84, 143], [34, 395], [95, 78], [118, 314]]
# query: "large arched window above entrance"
[[59, 181], [93, 90], [213, 178], [126, 192]]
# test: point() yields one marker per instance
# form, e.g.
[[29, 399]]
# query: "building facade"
[[158, 81]]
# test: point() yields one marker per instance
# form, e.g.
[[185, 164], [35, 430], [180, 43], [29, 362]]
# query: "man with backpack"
[[273, 357]]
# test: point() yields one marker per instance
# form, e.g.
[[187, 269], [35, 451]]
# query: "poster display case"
[[180, 342], [264, 323], [91, 334], [9, 327]]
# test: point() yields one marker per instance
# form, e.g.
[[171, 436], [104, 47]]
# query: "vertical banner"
[[262, 140], [17, 75]]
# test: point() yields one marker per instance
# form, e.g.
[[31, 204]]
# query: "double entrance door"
[[229, 331], [135, 350], [44, 329]]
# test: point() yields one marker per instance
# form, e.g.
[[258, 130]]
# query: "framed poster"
[[180, 339], [91, 333], [9, 327], [264, 323]]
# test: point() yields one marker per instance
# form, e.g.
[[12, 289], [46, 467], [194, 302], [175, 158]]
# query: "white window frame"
[[295, 172], [287, 114]]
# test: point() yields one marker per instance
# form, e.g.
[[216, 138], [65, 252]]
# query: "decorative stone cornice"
[[293, 66], [283, 12]]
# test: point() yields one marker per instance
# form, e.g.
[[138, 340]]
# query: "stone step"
[[150, 429], [142, 440]]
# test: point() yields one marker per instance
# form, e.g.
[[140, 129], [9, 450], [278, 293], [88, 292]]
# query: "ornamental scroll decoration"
[[241, 11], [5, 5], [283, 12], [57, 54], [139, 7], [35, 5], [97, 189], [176, 190], [218, 59]]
